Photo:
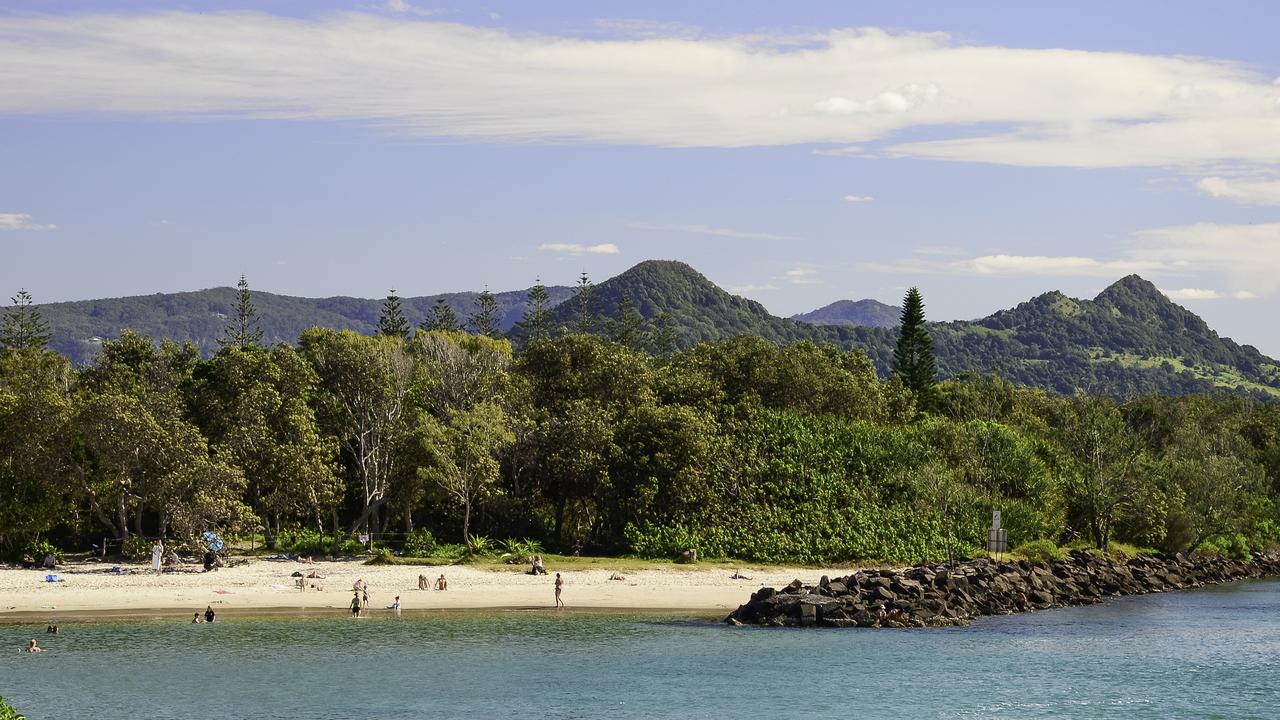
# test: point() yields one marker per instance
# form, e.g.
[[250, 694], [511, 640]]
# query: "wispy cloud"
[[701, 229], [938, 250], [1192, 294], [1248, 190], [21, 221], [858, 198], [841, 87], [745, 289], [580, 249], [1245, 257], [802, 275]]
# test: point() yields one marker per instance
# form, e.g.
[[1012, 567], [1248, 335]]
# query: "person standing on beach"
[[559, 585], [157, 553]]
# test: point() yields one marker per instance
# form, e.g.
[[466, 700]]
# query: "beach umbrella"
[[213, 541]]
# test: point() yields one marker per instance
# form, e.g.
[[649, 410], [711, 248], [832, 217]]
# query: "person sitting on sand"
[[28, 562], [441, 583], [423, 582], [616, 576], [33, 647], [737, 575], [50, 562], [538, 568]]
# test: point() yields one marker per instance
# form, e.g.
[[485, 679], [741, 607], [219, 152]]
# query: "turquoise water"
[[1206, 654]]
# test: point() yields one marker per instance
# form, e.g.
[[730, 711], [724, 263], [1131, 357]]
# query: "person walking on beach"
[[364, 590], [157, 553], [559, 585], [355, 604]]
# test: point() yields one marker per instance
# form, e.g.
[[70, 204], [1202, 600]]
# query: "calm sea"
[[1206, 654]]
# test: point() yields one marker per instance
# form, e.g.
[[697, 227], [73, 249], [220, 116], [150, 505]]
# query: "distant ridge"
[[1130, 339], [200, 316], [867, 313]]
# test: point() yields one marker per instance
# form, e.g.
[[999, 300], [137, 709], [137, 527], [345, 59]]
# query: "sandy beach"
[[265, 585]]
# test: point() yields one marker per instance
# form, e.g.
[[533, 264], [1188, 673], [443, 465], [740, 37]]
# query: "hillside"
[[199, 317], [867, 313], [1130, 339]]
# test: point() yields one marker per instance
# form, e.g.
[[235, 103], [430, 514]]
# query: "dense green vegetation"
[[7, 712], [739, 447], [1129, 340]]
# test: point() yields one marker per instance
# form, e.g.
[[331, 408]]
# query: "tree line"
[[603, 435]]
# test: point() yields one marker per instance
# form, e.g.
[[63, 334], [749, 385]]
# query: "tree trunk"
[[137, 521], [269, 533], [466, 524]]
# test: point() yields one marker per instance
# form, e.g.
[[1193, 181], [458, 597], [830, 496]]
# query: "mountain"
[[867, 313], [1129, 339], [199, 317]]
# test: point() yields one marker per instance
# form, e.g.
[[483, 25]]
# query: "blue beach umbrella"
[[213, 541]]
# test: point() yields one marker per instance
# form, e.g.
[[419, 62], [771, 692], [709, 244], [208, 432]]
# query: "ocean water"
[[1211, 653]]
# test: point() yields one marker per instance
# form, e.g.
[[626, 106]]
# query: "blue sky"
[[985, 152]]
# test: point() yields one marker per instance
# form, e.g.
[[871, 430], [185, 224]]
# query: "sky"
[[795, 153]]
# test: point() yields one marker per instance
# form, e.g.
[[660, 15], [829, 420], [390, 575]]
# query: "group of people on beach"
[[424, 583]]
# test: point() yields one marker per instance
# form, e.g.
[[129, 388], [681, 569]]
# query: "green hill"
[[1129, 339], [199, 317], [867, 313]]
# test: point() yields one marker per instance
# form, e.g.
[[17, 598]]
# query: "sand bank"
[[265, 585]]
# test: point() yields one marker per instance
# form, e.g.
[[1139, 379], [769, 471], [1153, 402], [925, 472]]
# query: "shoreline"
[[90, 590]]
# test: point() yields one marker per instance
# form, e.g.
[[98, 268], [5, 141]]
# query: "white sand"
[[267, 585]]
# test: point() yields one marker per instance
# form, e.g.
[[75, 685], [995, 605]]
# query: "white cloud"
[[1246, 258], [858, 198], [1192, 294], [701, 229], [21, 221], [801, 275], [839, 87], [1248, 190], [745, 289], [580, 249]]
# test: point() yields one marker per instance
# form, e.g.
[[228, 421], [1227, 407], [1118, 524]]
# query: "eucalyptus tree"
[[36, 443], [140, 453], [364, 401], [253, 406]]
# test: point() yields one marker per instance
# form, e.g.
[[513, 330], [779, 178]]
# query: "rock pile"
[[937, 595]]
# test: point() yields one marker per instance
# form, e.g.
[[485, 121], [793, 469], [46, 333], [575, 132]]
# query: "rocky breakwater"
[[938, 595]]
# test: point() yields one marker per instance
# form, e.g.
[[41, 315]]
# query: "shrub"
[[39, 548], [351, 546], [303, 541], [136, 547], [419, 543], [517, 552], [1039, 551], [481, 545], [8, 713]]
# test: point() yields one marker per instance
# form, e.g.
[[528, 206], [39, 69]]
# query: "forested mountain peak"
[[867, 313]]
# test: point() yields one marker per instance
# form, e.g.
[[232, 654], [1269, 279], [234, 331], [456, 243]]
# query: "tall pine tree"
[[392, 322], [23, 327], [243, 331], [585, 323], [537, 313], [913, 357], [484, 321], [441, 318], [625, 329], [663, 335]]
